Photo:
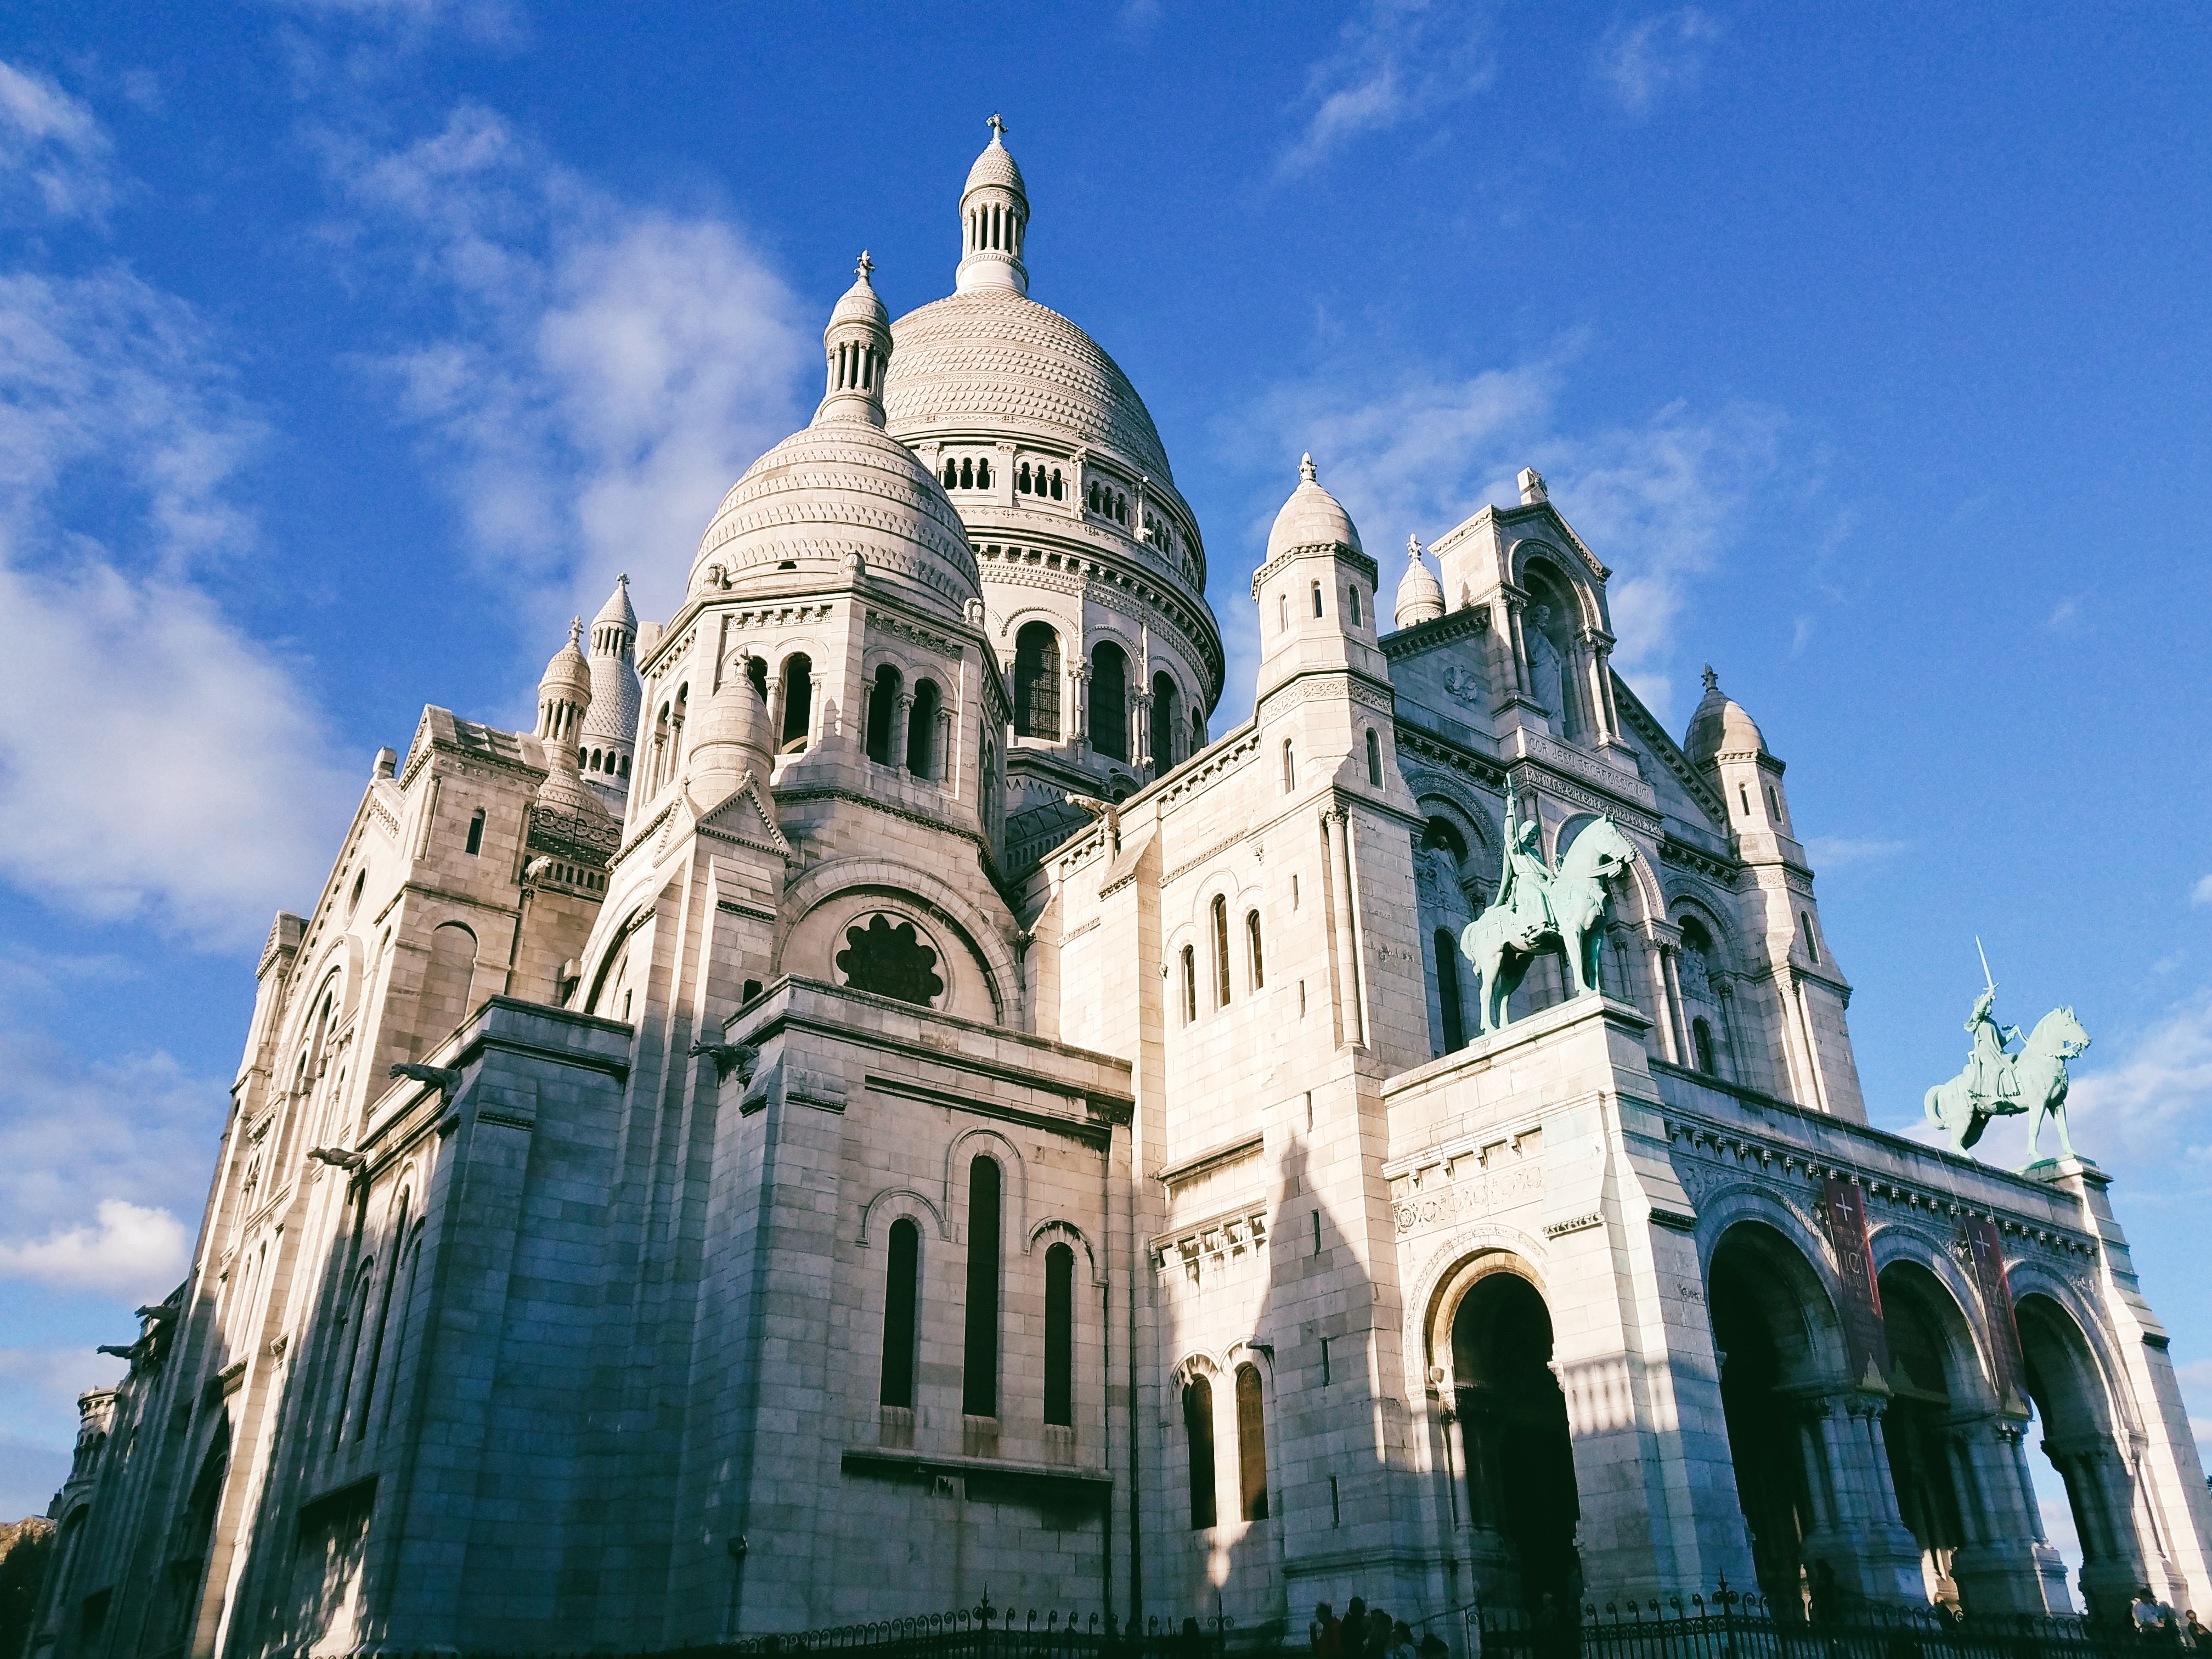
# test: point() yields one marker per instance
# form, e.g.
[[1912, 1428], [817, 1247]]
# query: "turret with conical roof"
[[609, 729], [858, 347]]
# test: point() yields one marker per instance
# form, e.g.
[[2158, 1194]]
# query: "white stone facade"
[[889, 1114]]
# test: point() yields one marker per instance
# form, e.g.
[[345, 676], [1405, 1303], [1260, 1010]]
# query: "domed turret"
[[858, 344], [564, 700], [1420, 595], [1311, 518], [730, 737], [994, 216], [1720, 726]]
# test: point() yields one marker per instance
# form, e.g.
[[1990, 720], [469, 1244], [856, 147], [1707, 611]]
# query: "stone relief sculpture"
[[1536, 903], [1997, 1082]]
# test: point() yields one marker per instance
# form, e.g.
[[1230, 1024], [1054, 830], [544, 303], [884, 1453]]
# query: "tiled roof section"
[[997, 360]]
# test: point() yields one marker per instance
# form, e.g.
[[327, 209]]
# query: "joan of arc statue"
[[1990, 1066], [1524, 882]]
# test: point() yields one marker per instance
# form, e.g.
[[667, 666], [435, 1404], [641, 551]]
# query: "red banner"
[[1866, 1342], [1996, 1306]]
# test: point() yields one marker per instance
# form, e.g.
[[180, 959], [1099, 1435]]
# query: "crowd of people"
[[1366, 1633]]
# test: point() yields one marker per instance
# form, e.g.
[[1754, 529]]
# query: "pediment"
[[743, 816]]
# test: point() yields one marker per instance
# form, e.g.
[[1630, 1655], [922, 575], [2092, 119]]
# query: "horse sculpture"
[[1504, 941], [2037, 1076]]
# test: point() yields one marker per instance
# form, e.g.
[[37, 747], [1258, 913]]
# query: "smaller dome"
[[1420, 595], [568, 670], [995, 165], [1720, 726], [1312, 517], [860, 303]]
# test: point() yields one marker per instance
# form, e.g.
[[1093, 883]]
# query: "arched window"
[[1454, 1016], [1290, 767], [1253, 961], [1251, 1445], [624, 770], [1701, 1039], [1317, 599], [1022, 479], [1055, 484], [1220, 952], [902, 1302], [1282, 613], [1109, 700], [1189, 984], [883, 705], [1351, 604], [1197, 730], [756, 671], [364, 1282], [1374, 758], [1060, 1336], [978, 1367], [383, 1318], [353, 902], [1197, 1432], [475, 833], [951, 475], [982, 472], [1166, 722], [921, 730], [1037, 682], [968, 472], [1812, 939], [798, 701]]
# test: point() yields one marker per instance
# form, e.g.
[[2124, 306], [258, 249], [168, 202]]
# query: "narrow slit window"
[[475, 833], [1252, 948], [1812, 942], [1374, 759], [979, 1371], [1220, 952], [1351, 604], [902, 1299], [1197, 1433], [1290, 769], [1060, 1336], [1317, 599], [1251, 1444], [1454, 1016], [1189, 984]]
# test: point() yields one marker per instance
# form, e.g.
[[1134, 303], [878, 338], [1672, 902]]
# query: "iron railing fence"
[[1730, 1625]]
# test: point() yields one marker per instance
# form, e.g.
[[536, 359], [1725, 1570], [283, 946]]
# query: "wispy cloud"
[[53, 146], [494, 22], [1659, 500], [128, 1249], [1393, 60], [2064, 612], [1840, 852], [2201, 893], [1643, 64], [2153, 1103], [114, 402], [604, 372]]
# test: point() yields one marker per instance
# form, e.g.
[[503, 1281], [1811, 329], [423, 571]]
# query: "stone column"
[[1140, 745], [1349, 1028], [1517, 646], [1078, 723], [1668, 956], [776, 714], [902, 715], [1661, 1017]]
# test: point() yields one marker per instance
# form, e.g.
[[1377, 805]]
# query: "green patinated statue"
[[1998, 1083], [1539, 908]]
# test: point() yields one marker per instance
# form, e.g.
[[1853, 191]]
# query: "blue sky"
[[347, 348]]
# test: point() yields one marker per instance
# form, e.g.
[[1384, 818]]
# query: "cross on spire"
[[998, 125], [864, 265], [1712, 680]]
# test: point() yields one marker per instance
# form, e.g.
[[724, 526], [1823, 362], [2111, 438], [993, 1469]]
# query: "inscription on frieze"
[[1478, 1194]]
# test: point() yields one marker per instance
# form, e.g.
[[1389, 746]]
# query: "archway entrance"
[[1919, 1427], [1513, 1419], [2067, 1390], [1764, 1430]]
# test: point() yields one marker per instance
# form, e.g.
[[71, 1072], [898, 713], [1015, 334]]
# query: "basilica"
[[875, 1103]]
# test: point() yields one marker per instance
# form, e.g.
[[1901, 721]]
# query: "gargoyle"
[[448, 1080], [728, 1057], [338, 1158]]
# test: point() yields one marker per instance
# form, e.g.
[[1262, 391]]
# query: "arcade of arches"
[[1911, 1484]]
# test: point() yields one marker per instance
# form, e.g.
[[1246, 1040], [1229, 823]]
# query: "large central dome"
[[997, 359]]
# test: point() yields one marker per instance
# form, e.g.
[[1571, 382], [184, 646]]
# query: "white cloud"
[[2201, 893], [1394, 61], [2153, 1104], [122, 675], [1642, 64], [54, 144], [130, 1250], [2064, 612], [1657, 502], [1838, 851], [607, 370]]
